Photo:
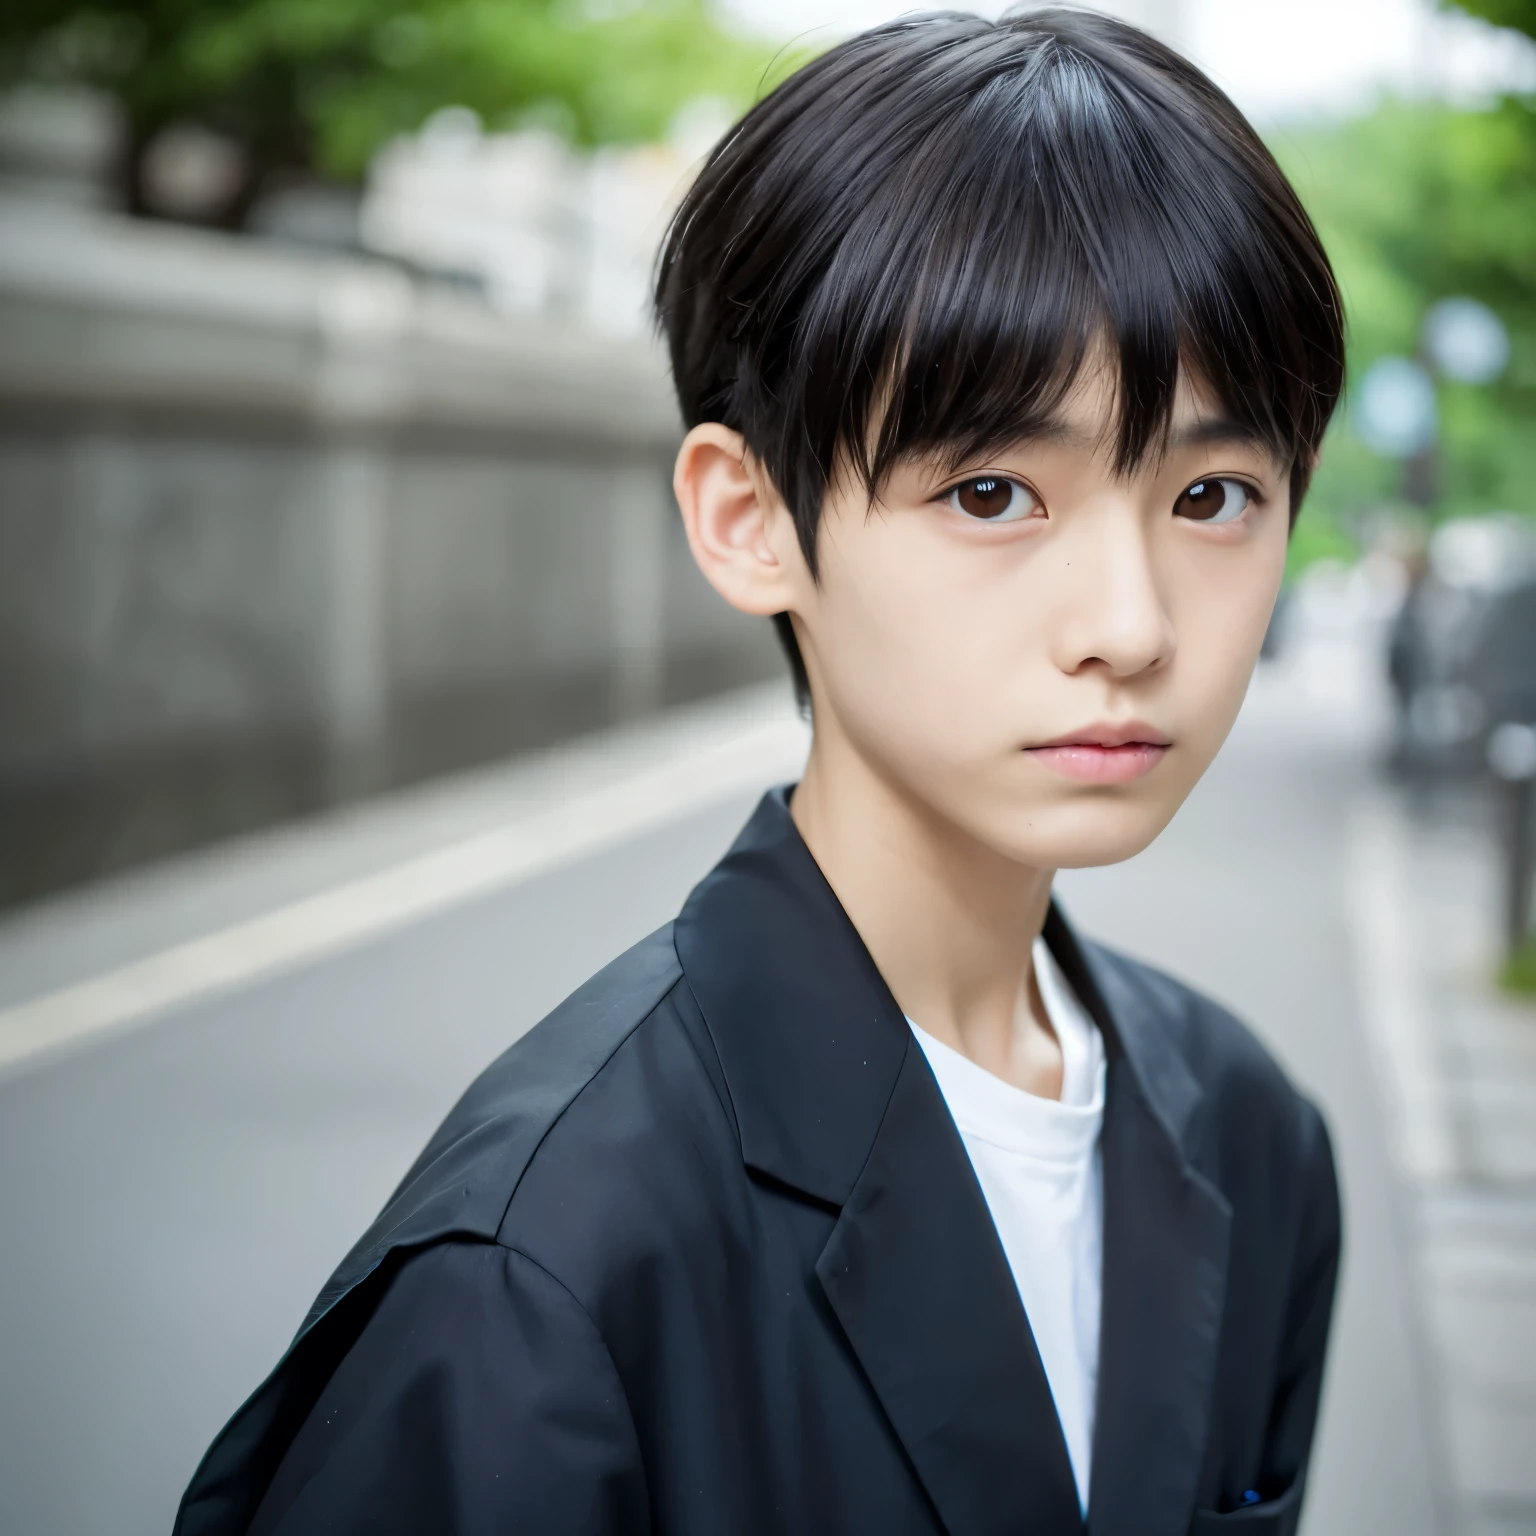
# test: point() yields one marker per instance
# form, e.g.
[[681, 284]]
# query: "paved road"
[[172, 1198]]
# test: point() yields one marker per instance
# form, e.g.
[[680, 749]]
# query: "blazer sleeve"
[[1309, 1313], [478, 1399]]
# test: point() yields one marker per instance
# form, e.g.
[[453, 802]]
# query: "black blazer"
[[704, 1253]]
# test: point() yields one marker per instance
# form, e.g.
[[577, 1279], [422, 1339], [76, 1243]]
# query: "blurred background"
[[358, 695]]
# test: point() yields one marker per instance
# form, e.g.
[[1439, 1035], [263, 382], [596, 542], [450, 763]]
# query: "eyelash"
[[1251, 499], [1033, 501], [1251, 494]]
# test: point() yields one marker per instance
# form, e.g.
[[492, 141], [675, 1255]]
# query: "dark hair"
[[911, 244]]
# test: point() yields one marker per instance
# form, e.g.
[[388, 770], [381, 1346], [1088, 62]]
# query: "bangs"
[[915, 244], [1062, 217]]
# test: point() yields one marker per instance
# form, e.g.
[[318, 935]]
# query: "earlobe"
[[735, 522]]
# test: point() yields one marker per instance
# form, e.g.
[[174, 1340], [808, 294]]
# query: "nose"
[[1110, 611]]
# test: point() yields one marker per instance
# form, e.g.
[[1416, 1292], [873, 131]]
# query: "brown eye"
[[1213, 501], [992, 499]]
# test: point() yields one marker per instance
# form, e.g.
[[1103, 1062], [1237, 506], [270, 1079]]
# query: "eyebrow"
[[1204, 432], [1210, 431]]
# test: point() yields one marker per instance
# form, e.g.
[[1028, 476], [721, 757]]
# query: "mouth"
[[1116, 753]]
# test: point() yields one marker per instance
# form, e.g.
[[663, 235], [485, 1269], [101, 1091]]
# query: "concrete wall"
[[280, 529]]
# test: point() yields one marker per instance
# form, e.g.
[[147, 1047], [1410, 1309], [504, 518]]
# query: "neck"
[[949, 921]]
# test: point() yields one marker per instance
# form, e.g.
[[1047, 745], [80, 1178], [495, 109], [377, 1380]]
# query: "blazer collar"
[[1166, 1240], [809, 1036], [833, 1099]]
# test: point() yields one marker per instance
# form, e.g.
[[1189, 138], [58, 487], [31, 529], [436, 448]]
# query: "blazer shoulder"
[[463, 1181], [1238, 1076], [457, 1192]]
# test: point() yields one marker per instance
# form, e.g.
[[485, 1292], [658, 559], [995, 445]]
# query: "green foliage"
[[1519, 14], [1318, 535], [1518, 974], [320, 84], [1418, 202]]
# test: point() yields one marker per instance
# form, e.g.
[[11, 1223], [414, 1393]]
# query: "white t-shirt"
[[1037, 1161]]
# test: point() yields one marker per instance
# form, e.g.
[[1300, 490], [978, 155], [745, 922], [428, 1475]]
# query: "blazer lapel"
[[918, 1279], [834, 1098], [1165, 1268], [1166, 1231]]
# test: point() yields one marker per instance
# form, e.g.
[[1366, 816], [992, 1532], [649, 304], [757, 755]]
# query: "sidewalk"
[[1458, 1066], [86, 964]]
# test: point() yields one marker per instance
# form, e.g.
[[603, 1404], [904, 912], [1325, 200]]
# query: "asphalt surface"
[[172, 1199]]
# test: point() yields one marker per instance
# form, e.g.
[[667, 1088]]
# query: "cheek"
[[1225, 608], [920, 637]]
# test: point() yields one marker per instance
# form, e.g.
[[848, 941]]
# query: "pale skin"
[[961, 623]]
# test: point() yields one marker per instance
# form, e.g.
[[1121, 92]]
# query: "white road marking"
[[365, 909]]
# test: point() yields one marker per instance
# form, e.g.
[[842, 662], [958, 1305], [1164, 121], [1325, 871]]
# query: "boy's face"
[[1044, 654]]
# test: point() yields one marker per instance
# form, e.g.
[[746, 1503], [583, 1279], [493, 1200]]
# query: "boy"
[[865, 1197]]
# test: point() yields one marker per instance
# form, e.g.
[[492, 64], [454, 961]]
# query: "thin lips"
[[1131, 732]]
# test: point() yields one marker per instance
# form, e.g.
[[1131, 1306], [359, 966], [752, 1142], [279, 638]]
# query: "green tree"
[[1519, 14], [1417, 202], [317, 85]]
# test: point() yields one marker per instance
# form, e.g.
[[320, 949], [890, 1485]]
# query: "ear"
[[742, 535]]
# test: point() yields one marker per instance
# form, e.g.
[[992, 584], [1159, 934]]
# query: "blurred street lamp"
[[1395, 415], [1512, 761], [1465, 341], [1394, 410]]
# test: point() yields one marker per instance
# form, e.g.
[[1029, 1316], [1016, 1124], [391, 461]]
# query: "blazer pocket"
[[1274, 1517]]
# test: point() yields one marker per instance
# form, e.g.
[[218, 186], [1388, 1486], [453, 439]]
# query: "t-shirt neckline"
[[986, 1107]]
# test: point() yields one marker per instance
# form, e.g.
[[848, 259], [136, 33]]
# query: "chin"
[[1094, 831]]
